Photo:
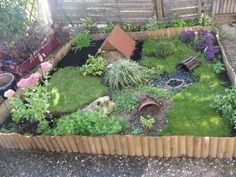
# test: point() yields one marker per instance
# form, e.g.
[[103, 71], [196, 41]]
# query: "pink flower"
[[30, 82], [46, 67], [9, 93]]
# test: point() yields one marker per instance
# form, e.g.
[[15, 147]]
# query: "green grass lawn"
[[71, 90], [191, 113]]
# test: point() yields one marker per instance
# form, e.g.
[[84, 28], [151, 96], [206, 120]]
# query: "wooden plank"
[[221, 147], [182, 146], [152, 146], [199, 7], [138, 146], [84, 141], [79, 144], [213, 147], [105, 147], [205, 147], [159, 10], [55, 145], [125, 150], [131, 145], [72, 143], [159, 147], [145, 148], [174, 147], [229, 149], [111, 145], [118, 145], [197, 147], [98, 145], [189, 146], [66, 143], [49, 143], [92, 146], [166, 146], [60, 143]]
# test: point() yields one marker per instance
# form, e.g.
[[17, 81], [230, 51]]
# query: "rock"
[[102, 103]]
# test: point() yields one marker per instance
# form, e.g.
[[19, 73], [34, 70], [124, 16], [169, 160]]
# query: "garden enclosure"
[[139, 11]]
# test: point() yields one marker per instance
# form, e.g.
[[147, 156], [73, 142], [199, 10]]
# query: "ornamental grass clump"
[[125, 74], [165, 49]]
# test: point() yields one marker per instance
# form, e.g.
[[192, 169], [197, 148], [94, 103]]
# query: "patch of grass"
[[167, 64], [71, 90], [191, 113]]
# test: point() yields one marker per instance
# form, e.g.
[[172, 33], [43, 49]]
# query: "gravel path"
[[38, 164]]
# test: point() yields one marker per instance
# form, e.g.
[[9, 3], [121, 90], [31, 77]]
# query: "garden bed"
[[194, 119]]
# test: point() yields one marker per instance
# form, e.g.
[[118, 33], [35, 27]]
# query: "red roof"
[[120, 41]]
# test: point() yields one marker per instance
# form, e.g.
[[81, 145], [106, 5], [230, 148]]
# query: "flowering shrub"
[[187, 36], [35, 103], [211, 51]]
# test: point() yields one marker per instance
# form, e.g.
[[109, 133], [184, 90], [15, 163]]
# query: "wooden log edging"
[[166, 146]]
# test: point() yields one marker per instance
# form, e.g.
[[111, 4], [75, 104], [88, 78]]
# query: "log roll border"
[[166, 146]]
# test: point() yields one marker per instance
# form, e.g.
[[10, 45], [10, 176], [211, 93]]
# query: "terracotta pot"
[[148, 102], [33, 61], [7, 81]]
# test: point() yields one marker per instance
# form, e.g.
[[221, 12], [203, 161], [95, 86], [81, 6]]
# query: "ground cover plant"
[[71, 89]]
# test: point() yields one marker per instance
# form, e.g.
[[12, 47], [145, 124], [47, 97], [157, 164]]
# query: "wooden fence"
[[224, 11], [167, 146], [137, 11]]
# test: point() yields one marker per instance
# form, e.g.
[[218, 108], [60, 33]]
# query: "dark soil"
[[80, 58], [137, 55]]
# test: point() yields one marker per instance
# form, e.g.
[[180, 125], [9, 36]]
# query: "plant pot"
[[44, 51], [146, 103], [7, 81]]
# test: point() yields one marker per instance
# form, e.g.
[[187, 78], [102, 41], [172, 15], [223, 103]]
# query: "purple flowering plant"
[[187, 36]]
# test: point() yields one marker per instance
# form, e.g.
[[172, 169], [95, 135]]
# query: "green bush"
[[81, 41], [125, 74], [149, 48], [71, 90], [147, 122], [94, 66], [205, 20], [165, 49], [225, 103], [218, 67], [130, 27], [126, 101], [108, 28], [88, 124], [89, 25], [151, 24]]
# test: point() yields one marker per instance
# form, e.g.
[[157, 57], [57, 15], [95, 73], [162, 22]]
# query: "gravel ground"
[[40, 164]]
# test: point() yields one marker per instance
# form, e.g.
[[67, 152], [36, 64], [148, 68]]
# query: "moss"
[[71, 90]]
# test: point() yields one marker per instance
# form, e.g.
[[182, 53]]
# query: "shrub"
[[218, 67], [149, 48], [165, 49], [187, 36], [81, 41], [89, 25], [130, 27], [211, 51], [108, 28], [225, 103], [147, 122], [126, 74], [126, 101], [94, 66], [151, 24], [178, 22], [205, 20], [88, 124]]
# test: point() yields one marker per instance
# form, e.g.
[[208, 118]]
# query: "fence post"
[[199, 7], [159, 9]]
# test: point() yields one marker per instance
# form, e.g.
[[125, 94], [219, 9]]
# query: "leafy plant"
[[225, 103], [130, 27], [94, 66], [165, 49], [81, 41], [205, 20], [177, 22], [137, 131], [218, 67], [149, 48], [147, 122], [108, 28], [89, 124], [151, 24], [126, 101], [89, 25], [125, 74]]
